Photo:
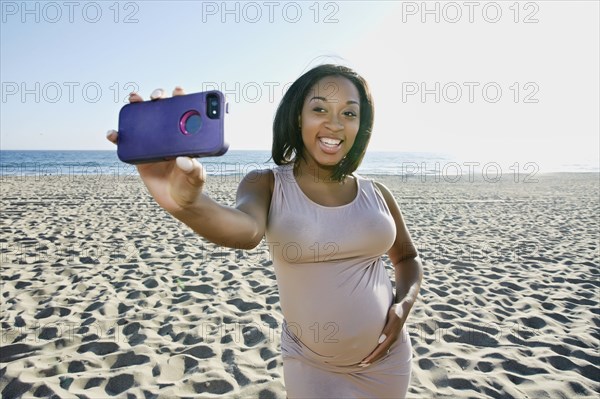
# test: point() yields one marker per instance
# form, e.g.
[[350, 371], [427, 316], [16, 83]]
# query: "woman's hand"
[[174, 184], [391, 332]]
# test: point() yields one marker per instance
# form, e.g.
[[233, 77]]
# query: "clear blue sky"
[[543, 56]]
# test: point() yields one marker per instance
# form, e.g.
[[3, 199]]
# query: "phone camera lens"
[[190, 123], [212, 105]]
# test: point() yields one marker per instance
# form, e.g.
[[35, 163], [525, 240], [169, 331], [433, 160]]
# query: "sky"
[[512, 80]]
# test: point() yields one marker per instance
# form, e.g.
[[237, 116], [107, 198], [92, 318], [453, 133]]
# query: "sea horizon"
[[240, 162]]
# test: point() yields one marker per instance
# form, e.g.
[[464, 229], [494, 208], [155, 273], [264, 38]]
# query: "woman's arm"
[[404, 256], [177, 185], [242, 226]]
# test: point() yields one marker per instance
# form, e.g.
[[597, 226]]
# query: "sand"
[[104, 294]]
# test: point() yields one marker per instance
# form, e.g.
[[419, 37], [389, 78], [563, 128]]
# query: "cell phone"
[[190, 125]]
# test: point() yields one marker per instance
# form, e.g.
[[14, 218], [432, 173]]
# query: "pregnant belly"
[[340, 326]]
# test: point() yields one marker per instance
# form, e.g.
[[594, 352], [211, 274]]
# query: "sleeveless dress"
[[334, 292]]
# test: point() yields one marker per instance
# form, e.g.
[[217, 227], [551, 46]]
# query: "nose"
[[334, 123]]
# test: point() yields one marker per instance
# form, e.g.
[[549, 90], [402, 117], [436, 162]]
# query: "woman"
[[326, 228]]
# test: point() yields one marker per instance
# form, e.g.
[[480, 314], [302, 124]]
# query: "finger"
[[178, 91], [382, 344], [382, 338], [195, 173], [185, 164], [379, 352], [135, 98], [157, 94], [385, 342], [112, 136], [399, 310]]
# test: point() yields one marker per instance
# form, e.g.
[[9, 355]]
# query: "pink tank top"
[[334, 290]]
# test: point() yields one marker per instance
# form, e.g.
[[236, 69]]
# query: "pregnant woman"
[[327, 229]]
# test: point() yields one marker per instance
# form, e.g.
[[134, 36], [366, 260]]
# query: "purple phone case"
[[153, 130]]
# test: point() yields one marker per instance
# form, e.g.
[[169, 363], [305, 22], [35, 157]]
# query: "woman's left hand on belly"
[[396, 318]]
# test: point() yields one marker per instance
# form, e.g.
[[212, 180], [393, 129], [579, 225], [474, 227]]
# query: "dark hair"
[[287, 134]]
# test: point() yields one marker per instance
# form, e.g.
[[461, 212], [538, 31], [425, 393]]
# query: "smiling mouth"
[[331, 143]]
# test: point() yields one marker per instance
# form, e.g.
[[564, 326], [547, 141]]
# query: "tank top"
[[334, 290]]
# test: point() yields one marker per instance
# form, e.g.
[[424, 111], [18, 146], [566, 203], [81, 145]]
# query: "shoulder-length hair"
[[288, 146]]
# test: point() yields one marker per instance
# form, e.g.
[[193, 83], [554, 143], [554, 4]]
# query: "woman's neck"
[[315, 172]]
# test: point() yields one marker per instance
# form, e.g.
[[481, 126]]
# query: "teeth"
[[332, 142]]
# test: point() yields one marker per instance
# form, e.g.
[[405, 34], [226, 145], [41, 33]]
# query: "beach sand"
[[105, 294]]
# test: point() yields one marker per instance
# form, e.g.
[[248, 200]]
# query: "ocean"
[[240, 162]]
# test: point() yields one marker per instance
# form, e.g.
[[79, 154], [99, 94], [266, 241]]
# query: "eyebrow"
[[325, 100]]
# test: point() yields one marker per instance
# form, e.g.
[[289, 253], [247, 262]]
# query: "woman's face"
[[330, 120]]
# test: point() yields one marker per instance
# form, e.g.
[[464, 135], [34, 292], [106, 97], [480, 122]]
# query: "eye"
[[350, 114], [319, 109]]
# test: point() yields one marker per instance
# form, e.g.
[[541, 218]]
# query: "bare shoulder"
[[383, 188], [403, 247], [256, 188], [254, 198], [258, 180], [387, 195], [259, 173]]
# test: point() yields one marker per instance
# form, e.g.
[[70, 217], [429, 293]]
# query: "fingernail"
[[184, 164], [156, 93], [382, 338], [110, 132], [364, 364]]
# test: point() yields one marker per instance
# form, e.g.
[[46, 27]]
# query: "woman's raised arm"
[[177, 185]]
